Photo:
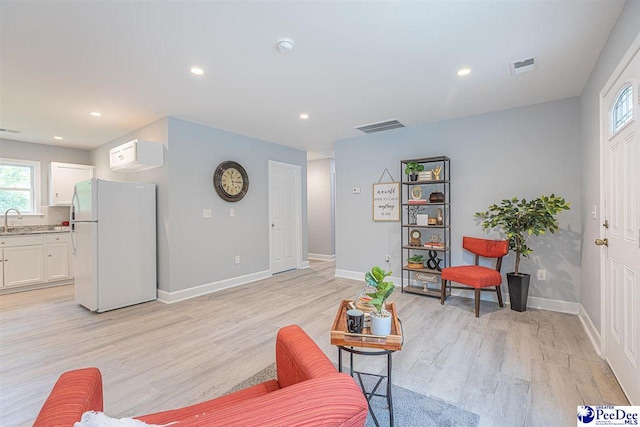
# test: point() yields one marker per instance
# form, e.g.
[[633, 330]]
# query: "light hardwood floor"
[[513, 369]]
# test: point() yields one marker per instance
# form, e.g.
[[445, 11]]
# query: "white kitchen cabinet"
[[57, 257], [136, 156], [62, 180], [34, 259], [22, 265]]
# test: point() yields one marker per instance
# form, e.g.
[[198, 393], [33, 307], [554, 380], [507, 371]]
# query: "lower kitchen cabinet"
[[34, 259]]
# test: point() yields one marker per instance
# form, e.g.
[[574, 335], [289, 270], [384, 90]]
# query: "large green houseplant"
[[519, 219]]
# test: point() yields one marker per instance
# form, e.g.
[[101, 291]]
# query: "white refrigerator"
[[113, 234]]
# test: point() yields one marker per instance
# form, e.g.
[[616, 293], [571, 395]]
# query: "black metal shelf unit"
[[426, 280]]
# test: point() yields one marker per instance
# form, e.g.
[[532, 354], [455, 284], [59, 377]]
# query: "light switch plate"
[[206, 213], [232, 212]]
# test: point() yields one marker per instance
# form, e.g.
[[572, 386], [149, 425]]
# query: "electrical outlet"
[[387, 258], [542, 275], [206, 213], [356, 190], [237, 259], [232, 212]]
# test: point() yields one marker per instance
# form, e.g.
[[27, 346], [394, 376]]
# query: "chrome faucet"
[[6, 226]]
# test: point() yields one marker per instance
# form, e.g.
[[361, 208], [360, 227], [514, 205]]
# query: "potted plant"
[[415, 261], [518, 219], [380, 318], [412, 170]]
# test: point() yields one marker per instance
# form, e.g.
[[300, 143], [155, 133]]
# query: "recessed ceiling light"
[[59, 138], [95, 113], [197, 71], [304, 116], [463, 71]]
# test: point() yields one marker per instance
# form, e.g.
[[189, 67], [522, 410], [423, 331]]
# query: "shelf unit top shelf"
[[427, 159]]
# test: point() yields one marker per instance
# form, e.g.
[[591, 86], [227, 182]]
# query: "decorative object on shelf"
[[412, 170], [436, 172], [432, 221], [413, 214], [415, 261], [416, 193], [517, 219], [439, 217], [426, 279], [422, 219], [435, 238], [415, 238], [433, 262], [231, 181], [380, 319], [425, 176], [436, 197], [386, 199]]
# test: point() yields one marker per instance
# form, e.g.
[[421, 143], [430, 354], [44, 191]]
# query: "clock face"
[[231, 181], [416, 234]]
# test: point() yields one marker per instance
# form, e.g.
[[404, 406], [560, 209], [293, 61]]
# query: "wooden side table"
[[379, 345]]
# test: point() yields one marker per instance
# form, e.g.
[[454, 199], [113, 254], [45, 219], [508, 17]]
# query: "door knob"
[[273, 225], [601, 242]]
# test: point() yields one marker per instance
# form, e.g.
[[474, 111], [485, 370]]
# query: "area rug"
[[409, 408]]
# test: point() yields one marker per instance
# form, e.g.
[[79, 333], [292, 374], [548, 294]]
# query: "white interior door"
[[621, 179], [285, 216]]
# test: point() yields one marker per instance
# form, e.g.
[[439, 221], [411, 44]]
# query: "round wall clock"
[[231, 181]]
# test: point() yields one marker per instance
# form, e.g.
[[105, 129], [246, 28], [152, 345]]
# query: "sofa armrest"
[[74, 393], [298, 357], [329, 400]]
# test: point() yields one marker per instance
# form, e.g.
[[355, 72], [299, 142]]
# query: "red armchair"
[[308, 391], [476, 276]]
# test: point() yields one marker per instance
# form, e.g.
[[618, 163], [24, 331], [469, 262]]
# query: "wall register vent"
[[10, 130], [524, 66], [380, 126]]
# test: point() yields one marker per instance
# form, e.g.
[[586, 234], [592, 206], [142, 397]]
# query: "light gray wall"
[[202, 250], [623, 33], [522, 152], [156, 132], [321, 210], [45, 154]]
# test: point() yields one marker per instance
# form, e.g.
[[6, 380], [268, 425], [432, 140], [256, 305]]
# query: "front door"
[[285, 216], [621, 178]]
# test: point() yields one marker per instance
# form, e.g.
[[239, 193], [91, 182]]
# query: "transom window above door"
[[622, 110]]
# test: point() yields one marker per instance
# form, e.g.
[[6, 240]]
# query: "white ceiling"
[[355, 62]]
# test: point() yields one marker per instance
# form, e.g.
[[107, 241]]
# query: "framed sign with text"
[[386, 201]]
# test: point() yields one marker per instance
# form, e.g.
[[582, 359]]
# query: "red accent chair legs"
[[476, 276]]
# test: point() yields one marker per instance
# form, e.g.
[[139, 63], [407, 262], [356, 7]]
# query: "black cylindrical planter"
[[518, 290]]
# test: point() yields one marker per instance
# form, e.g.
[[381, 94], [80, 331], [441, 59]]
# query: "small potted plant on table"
[[380, 318], [518, 219], [415, 261]]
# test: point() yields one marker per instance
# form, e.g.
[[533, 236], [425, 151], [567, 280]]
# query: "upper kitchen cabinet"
[[136, 156], [62, 180]]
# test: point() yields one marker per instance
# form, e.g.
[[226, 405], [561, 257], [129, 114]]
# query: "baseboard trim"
[[17, 289], [322, 257], [185, 294], [591, 330], [532, 302], [304, 264]]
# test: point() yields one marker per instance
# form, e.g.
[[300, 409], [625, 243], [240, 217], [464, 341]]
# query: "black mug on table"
[[355, 321]]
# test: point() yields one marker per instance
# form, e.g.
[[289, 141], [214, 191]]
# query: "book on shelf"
[[434, 245], [417, 202]]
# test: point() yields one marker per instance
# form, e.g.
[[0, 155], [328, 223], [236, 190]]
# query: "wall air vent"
[[380, 126], [10, 130], [524, 66]]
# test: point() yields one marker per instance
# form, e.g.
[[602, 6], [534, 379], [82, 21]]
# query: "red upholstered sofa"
[[308, 392]]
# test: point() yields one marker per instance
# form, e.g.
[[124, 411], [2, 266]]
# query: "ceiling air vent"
[[10, 130], [523, 66], [380, 126]]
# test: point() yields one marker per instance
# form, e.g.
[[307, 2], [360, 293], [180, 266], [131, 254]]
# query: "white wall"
[[623, 33], [45, 154], [522, 152], [320, 199]]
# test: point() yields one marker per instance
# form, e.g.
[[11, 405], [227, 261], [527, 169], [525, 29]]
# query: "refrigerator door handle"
[[71, 219]]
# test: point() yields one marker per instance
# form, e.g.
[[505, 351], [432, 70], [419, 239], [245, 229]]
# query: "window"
[[622, 110], [19, 185]]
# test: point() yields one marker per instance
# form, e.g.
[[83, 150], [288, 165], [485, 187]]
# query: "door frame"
[[634, 49], [297, 209]]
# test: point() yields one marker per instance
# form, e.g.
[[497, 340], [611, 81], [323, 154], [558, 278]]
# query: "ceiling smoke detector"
[[285, 45]]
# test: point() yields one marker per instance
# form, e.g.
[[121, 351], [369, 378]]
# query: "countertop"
[[26, 230]]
